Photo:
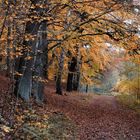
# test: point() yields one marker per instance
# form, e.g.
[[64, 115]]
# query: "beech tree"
[[41, 33]]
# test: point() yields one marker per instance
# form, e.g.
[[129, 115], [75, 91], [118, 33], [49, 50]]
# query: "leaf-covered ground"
[[98, 117], [72, 116]]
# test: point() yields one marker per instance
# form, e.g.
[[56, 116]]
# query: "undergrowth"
[[130, 101]]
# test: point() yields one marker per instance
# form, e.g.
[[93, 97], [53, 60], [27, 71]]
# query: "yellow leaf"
[[6, 129]]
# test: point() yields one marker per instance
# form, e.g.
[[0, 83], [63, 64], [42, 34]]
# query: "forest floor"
[[98, 117], [73, 116]]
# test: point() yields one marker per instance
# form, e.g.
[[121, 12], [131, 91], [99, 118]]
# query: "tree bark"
[[25, 63], [40, 62], [8, 50], [76, 81], [59, 74], [33, 62], [72, 70]]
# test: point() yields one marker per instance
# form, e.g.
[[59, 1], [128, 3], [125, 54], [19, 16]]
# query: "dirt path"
[[98, 117], [109, 121]]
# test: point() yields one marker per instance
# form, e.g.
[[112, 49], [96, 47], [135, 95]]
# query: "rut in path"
[[100, 118]]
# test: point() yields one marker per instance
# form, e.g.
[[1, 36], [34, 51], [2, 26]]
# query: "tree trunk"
[[33, 59], [40, 62], [59, 74], [76, 81], [87, 88], [8, 50], [72, 70], [24, 83], [69, 82]]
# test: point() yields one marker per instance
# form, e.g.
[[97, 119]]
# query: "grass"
[[130, 101], [61, 128]]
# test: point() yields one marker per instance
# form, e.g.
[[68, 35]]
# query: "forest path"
[[104, 101], [98, 117]]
